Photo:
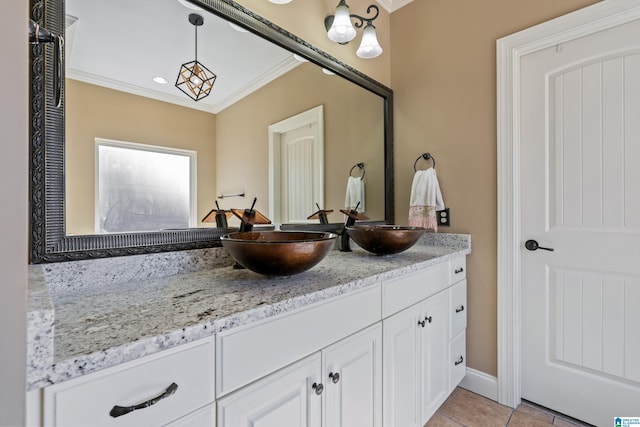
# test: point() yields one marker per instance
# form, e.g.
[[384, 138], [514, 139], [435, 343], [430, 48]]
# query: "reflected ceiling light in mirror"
[[328, 72], [300, 58], [238, 28], [194, 79], [341, 30], [280, 1], [160, 80], [192, 6]]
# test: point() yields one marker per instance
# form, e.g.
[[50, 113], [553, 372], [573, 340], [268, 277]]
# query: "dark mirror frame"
[[48, 241]]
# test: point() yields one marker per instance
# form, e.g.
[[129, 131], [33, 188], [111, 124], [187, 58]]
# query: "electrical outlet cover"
[[444, 219]]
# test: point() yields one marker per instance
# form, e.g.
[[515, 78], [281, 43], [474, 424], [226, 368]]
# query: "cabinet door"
[[401, 368], [434, 354], [286, 398], [352, 372]]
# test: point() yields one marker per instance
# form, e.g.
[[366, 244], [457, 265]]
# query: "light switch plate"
[[444, 219]]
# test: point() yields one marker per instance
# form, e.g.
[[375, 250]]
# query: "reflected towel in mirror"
[[355, 194], [426, 199]]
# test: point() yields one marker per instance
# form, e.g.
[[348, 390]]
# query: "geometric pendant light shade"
[[194, 79]]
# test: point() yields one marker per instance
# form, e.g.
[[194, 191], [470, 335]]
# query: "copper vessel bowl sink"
[[385, 239], [278, 253]]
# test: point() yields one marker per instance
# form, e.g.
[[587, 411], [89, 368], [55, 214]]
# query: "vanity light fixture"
[[341, 30], [194, 79]]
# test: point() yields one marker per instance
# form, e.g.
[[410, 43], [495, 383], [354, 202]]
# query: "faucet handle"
[[354, 214]]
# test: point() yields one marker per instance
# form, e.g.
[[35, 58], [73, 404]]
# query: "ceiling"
[[124, 44]]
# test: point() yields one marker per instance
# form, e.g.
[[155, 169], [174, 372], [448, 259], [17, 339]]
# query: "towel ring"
[[360, 166], [425, 156]]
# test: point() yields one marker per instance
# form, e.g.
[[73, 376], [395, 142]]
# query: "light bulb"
[[369, 46], [342, 30]]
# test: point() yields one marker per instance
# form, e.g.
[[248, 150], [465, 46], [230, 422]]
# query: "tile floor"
[[464, 408]]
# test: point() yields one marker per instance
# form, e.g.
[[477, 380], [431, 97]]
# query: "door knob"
[[532, 245]]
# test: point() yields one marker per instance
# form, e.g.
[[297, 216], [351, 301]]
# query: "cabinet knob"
[[318, 387], [335, 377], [428, 319], [459, 361], [458, 270], [421, 323], [459, 309]]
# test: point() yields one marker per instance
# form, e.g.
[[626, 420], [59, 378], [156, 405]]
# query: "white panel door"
[[352, 372], [580, 195], [298, 172], [285, 398], [401, 369]]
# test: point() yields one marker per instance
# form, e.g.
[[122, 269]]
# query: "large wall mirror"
[[122, 119]]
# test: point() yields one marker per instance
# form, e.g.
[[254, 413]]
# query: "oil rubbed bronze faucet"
[[352, 216], [321, 214], [249, 217]]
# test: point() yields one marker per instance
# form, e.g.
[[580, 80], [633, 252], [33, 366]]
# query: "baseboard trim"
[[480, 383]]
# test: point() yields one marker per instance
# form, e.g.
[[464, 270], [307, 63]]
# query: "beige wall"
[[14, 187], [94, 111], [444, 79], [354, 132]]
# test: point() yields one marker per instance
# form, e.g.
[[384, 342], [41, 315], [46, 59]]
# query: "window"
[[143, 187]]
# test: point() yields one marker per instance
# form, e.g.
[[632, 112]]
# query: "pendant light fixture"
[[341, 30], [194, 79]]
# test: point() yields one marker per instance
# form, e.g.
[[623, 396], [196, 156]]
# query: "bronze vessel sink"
[[385, 239], [278, 253]]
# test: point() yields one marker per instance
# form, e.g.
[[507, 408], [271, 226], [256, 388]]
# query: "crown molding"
[[262, 80], [393, 5]]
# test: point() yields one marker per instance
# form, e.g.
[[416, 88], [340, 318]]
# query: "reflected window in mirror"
[[143, 187]]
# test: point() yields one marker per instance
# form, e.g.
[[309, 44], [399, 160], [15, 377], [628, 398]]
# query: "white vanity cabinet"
[[339, 386], [386, 355], [458, 326], [418, 369], [352, 375], [151, 391]]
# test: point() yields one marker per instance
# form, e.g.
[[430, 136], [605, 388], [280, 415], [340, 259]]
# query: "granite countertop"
[[89, 315]]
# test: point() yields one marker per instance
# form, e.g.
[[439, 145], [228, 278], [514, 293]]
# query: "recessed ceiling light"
[[160, 80], [238, 28], [280, 1], [192, 6], [300, 58], [328, 72]]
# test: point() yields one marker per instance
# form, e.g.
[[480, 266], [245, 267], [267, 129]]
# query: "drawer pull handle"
[[318, 388], [118, 411], [459, 309], [458, 270], [459, 361], [334, 377], [421, 323]]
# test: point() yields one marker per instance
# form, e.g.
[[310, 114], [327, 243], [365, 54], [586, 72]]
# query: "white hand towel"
[[355, 193], [426, 199]]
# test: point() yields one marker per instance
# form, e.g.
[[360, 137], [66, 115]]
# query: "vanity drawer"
[[409, 289], [458, 308], [251, 352], [458, 269], [88, 401], [457, 360], [205, 417]]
